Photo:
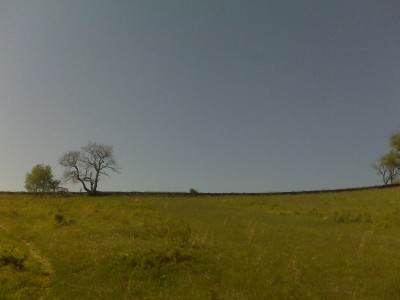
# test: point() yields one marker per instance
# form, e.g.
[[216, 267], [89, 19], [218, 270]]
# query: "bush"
[[9, 259], [192, 191], [61, 220]]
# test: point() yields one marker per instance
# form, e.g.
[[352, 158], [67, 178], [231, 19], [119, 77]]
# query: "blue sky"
[[221, 96]]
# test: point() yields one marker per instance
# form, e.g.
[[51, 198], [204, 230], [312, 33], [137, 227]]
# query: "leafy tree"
[[88, 165], [40, 179], [388, 166]]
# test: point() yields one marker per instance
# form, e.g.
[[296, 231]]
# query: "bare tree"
[[88, 165], [389, 174]]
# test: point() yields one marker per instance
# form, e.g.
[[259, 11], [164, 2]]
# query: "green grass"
[[308, 246]]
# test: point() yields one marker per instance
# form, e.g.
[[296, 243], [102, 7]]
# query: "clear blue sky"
[[221, 96]]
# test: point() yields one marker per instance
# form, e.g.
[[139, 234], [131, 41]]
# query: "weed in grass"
[[179, 232], [212, 294], [351, 216], [203, 240], [313, 212], [392, 218], [157, 259], [251, 230], [158, 266]]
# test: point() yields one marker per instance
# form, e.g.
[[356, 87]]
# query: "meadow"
[[306, 246]]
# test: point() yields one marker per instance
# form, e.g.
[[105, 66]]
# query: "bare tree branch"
[[89, 165], [388, 166]]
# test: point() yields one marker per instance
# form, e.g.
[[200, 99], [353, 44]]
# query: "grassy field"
[[309, 246]]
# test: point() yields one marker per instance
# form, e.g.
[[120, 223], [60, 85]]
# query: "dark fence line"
[[185, 194], [172, 194]]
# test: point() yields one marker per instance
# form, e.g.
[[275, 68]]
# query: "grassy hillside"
[[319, 246]]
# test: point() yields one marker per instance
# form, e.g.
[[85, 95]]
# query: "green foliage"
[[395, 141], [388, 166], [40, 179]]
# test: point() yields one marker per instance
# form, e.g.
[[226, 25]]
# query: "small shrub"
[[61, 220], [10, 259], [193, 191]]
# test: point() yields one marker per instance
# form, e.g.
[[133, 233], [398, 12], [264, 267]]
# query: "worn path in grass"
[[44, 276], [44, 262]]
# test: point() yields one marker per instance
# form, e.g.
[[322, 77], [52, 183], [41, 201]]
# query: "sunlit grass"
[[308, 246]]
